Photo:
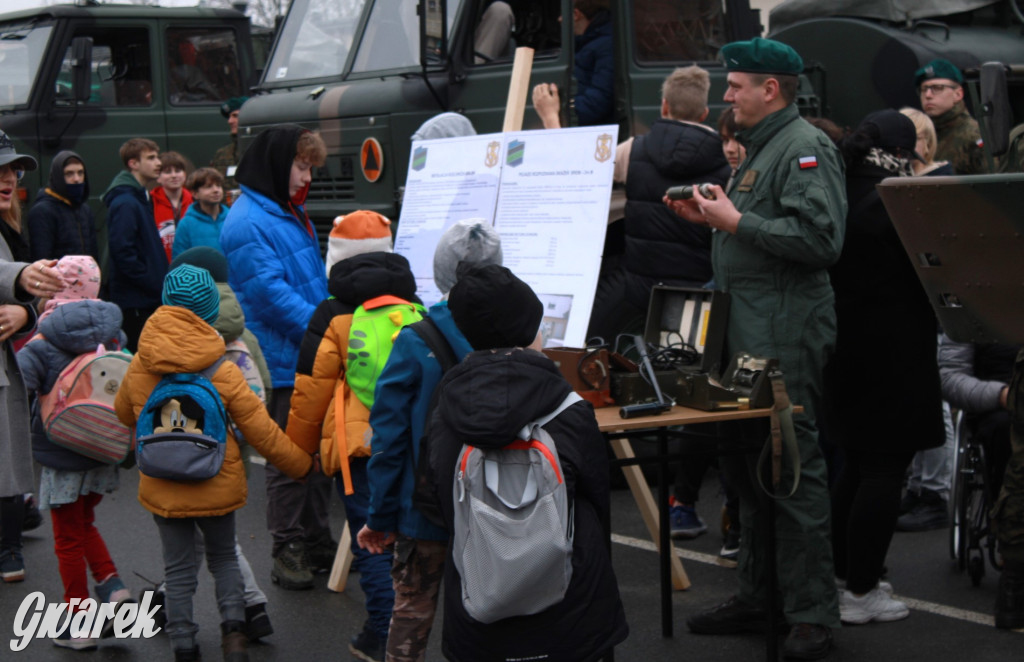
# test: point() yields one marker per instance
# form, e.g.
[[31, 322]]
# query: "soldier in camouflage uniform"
[[227, 156], [1008, 513], [940, 84]]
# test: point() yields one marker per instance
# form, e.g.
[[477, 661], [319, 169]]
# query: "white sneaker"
[[74, 643], [875, 605], [884, 585]]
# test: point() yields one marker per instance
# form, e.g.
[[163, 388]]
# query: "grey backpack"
[[513, 525]]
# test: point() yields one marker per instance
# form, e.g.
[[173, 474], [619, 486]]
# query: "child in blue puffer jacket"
[[205, 216]]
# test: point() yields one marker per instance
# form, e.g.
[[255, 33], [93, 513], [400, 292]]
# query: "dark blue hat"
[[205, 257]]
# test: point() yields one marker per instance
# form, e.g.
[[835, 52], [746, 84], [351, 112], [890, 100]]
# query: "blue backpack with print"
[[182, 430]]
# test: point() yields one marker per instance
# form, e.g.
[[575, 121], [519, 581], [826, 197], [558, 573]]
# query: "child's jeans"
[[77, 542], [252, 592], [178, 539], [374, 569]]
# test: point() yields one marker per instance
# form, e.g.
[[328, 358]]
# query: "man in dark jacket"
[[677, 150], [485, 401], [593, 69], [61, 222], [138, 262]]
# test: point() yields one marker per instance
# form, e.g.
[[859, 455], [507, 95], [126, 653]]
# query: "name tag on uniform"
[[231, 170], [747, 183]]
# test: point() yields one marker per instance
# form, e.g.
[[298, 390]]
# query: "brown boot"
[[233, 641]]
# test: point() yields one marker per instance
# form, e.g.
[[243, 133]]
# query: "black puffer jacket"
[[659, 245], [484, 401], [57, 224]]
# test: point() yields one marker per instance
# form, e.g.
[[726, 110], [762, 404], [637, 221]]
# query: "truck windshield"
[[22, 46], [315, 40]]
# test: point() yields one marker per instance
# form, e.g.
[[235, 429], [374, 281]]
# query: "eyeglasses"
[[7, 169], [936, 88]]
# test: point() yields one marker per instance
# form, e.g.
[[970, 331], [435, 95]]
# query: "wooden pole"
[[342, 562], [518, 89]]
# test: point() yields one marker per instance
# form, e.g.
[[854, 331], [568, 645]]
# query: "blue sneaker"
[[684, 522], [12, 565]]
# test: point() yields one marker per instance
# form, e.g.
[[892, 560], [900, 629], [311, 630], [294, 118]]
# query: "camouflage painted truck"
[[89, 77], [367, 73]]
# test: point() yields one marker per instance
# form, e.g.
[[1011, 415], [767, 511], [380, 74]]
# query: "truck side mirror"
[[995, 108], [433, 16], [81, 66]]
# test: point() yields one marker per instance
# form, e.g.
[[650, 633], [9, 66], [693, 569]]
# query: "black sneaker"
[[33, 518], [320, 554], [368, 646], [909, 500], [731, 617], [291, 570], [730, 552], [257, 622], [807, 641], [1010, 599], [931, 512]]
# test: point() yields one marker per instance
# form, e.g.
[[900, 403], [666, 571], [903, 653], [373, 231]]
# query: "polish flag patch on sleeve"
[[808, 162]]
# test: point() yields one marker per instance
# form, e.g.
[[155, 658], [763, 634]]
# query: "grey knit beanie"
[[473, 241]]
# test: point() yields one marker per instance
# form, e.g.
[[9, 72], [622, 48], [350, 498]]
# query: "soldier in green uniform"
[[775, 236], [1008, 513], [226, 158], [940, 84]]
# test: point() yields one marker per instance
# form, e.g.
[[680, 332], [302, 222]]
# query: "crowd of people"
[[794, 230]]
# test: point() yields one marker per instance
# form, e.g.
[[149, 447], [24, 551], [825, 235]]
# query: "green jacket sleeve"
[[813, 204]]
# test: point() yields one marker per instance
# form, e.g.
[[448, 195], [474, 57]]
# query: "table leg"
[[664, 542], [648, 510]]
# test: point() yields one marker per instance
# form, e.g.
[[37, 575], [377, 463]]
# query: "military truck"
[[861, 55], [367, 74], [89, 77]]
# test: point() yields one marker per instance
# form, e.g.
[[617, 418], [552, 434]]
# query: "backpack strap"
[[385, 300], [572, 398], [427, 330], [340, 436]]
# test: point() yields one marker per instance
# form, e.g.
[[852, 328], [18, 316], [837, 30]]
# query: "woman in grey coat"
[[20, 284]]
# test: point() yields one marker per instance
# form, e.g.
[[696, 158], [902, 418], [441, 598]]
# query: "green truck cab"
[[365, 71], [87, 78]]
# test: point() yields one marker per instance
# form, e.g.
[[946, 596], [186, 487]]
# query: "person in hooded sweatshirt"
[[179, 339], [362, 268], [278, 275], [485, 401], [401, 405], [138, 262], [61, 222], [71, 486]]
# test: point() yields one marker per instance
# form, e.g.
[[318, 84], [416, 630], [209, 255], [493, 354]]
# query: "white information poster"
[[546, 192], [552, 214], [449, 180]]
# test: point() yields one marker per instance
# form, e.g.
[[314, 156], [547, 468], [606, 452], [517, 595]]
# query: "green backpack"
[[375, 325]]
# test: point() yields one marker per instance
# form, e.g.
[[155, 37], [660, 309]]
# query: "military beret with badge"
[[762, 56], [938, 68]]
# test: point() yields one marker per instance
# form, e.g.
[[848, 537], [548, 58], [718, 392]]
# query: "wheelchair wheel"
[[958, 529]]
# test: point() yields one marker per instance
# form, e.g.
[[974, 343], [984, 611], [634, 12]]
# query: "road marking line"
[[918, 605]]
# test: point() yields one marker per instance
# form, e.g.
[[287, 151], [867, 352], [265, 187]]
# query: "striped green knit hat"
[[193, 288]]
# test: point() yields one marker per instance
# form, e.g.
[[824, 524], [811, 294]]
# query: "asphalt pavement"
[[950, 619]]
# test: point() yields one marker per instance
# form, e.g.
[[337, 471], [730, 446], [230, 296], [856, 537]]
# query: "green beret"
[[231, 105], [762, 56], [937, 69]]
